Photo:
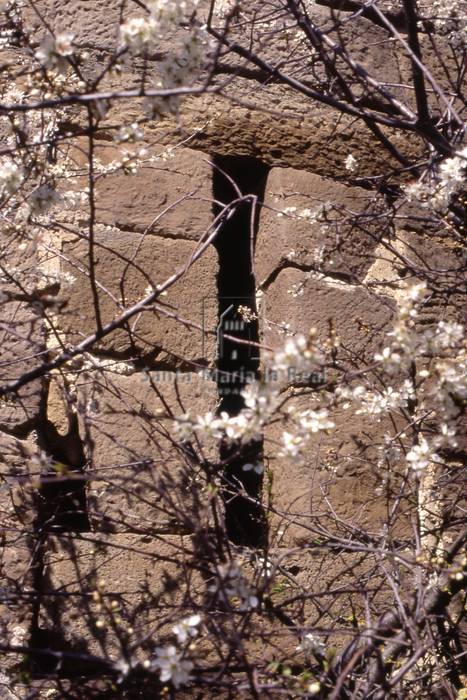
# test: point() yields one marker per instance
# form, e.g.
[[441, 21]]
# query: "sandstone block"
[[140, 480], [339, 241], [107, 594], [170, 197], [22, 343], [127, 264], [339, 481], [305, 300]]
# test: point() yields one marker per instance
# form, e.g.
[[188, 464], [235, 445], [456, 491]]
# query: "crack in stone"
[[340, 278]]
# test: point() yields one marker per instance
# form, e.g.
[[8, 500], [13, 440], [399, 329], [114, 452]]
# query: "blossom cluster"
[[54, 51], [140, 35], [437, 191], [11, 177], [439, 354], [450, 21], [377, 403], [312, 216], [299, 356], [305, 424], [172, 662], [421, 456], [311, 644]]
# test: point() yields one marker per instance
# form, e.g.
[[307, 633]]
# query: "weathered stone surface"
[[126, 265], [16, 591], [293, 135], [21, 342], [18, 470], [338, 475], [340, 242], [17, 544], [327, 593], [94, 24], [170, 197], [304, 300], [339, 482], [140, 480], [103, 594], [263, 119]]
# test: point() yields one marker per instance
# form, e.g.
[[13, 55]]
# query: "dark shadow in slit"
[[237, 363], [62, 505]]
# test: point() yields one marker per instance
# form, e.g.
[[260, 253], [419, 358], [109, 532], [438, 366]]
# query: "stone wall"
[[107, 547]]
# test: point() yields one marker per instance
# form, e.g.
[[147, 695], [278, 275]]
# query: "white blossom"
[[208, 425], [448, 335], [390, 359], [186, 628], [300, 353], [54, 50], [421, 456], [138, 33], [417, 191], [11, 177], [292, 446], [375, 403], [172, 666], [245, 427], [129, 133], [311, 644], [167, 13], [261, 398], [351, 163], [64, 44], [314, 421]]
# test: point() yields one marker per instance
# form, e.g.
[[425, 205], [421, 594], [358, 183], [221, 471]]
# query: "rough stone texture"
[[17, 544], [341, 242], [329, 592], [21, 338], [121, 259], [287, 133], [170, 197], [139, 479], [16, 588], [95, 24], [273, 122], [305, 300], [146, 577], [338, 483]]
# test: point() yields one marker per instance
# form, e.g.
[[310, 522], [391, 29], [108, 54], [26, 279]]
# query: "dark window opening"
[[239, 361]]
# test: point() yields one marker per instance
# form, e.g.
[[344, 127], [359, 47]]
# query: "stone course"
[[143, 495]]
